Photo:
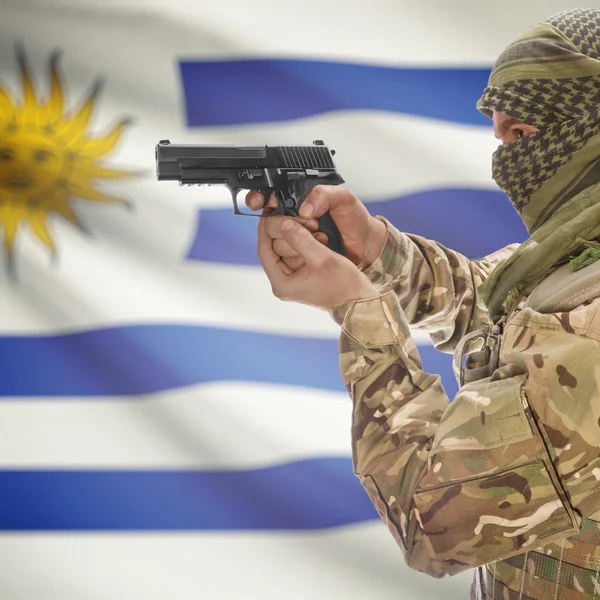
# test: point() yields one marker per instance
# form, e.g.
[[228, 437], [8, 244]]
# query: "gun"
[[289, 172]]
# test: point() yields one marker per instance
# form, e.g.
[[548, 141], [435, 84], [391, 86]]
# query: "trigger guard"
[[234, 193]]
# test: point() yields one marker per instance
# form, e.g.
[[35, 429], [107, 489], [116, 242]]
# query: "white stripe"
[[213, 426], [122, 280], [380, 155], [352, 563], [100, 285], [405, 33]]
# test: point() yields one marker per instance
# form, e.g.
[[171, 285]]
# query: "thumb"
[[326, 198], [302, 241]]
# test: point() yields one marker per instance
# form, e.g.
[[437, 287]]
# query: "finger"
[[327, 198], [272, 201], [272, 263], [267, 210], [302, 241], [273, 226], [285, 268], [294, 262], [254, 200], [283, 249], [268, 258], [310, 224], [321, 237]]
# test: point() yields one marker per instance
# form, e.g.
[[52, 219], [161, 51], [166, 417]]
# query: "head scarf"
[[549, 77]]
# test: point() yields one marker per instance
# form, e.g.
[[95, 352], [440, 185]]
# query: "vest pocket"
[[475, 521], [490, 490]]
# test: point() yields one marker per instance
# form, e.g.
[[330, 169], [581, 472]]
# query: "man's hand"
[[325, 279], [363, 235]]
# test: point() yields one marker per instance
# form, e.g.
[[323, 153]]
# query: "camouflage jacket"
[[513, 462]]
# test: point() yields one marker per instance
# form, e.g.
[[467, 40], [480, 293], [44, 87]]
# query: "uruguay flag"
[[168, 428]]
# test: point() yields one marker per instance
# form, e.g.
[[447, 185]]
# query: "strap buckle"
[[480, 363]]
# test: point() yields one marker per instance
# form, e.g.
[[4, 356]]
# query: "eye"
[[41, 155], [516, 132], [6, 154]]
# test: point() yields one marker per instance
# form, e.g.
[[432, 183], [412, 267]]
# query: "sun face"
[[49, 159]]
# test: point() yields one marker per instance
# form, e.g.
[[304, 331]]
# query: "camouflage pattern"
[[535, 572], [512, 465], [435, 286]]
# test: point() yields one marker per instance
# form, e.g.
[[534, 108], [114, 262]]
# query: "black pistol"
[[289, 172]]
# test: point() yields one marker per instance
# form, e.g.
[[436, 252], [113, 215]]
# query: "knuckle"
[[314, 193], [318, 194], [281, 247], [345, 195]]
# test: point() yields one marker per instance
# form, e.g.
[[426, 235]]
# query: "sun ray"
[[38, 222], [7, 107], [10, 222], [73, 131], [50, 159], [89, 193], [92, 171], [54, 105], [67, 213], [30, 113], [103, 144]]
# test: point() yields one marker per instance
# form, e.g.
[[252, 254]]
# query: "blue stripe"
[[151, 358], [473, 222], [260, 91], [310, 494]]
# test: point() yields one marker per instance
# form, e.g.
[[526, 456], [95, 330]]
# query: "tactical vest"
[[569, 570], [533, 575]]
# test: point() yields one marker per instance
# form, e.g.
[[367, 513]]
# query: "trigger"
[[278, 209], [265, 194]]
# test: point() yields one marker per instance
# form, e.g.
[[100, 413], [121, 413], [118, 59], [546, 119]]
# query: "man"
[[507, 474]]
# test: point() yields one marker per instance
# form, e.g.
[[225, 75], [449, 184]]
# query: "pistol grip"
[[334, 239], [326, 223]]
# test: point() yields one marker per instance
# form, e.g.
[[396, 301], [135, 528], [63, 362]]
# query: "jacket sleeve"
[[436, 287], [465, 483]]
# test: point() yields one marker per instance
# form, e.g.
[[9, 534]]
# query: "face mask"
[[541, 171]]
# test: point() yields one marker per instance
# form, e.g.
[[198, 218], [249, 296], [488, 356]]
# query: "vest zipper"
[[551, 456]]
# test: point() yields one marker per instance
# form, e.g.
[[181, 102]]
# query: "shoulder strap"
[[564, 290]]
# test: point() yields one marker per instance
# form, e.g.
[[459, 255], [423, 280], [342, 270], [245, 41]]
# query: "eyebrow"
[[505, 126]]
